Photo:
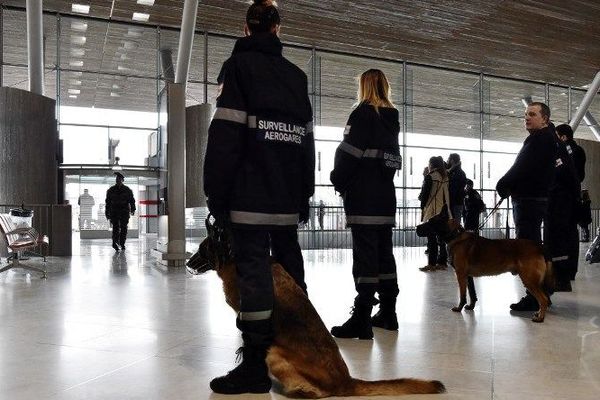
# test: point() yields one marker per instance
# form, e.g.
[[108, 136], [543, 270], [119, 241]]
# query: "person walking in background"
[[423, 199], [473, 207], [321, 214], [259, 176], [120, 204], [86, 204], [435, 190], [585, 215], [364, 168], [456, 185]]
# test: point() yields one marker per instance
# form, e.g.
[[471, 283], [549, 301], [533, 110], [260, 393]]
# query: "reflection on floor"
[[109, 326]]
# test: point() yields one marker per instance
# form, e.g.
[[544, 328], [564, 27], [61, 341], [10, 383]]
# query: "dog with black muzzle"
[[303, 357], [474, 256]]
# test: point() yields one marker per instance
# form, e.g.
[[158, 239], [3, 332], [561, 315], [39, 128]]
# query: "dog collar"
[[453, 234]]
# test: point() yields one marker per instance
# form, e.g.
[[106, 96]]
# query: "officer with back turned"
[[259, 177]]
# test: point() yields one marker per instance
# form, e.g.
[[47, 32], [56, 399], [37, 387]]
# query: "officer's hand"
[[132, 213], [304, 213], [222, 220]]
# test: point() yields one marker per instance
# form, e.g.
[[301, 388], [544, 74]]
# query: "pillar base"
[[169, 261]]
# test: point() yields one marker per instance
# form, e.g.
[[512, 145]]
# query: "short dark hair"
[[565, 130], [469, 182], [262, 16], [454, 157], [545, 110]]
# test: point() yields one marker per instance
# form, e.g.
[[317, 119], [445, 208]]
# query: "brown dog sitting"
[[474, 256], [304, 357]]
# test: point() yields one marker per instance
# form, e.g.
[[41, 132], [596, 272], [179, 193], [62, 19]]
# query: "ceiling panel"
[[544, 40]]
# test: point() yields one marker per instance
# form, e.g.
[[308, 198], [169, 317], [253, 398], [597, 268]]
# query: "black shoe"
[[251, 376], [527, 303], [114, 246], [358, 326], [386, 316], [123, 247]]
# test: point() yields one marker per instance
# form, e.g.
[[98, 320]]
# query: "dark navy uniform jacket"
[[119, 202], [260, 158], [532, 174], [579, 158], [365, 164]]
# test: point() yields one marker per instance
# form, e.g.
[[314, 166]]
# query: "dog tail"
[[396, 387], [549, 278]]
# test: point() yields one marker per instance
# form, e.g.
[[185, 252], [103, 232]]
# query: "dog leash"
[[485, 220]]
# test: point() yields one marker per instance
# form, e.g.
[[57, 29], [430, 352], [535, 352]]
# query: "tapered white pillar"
[[186, 41], [585, 103], [35, 45]]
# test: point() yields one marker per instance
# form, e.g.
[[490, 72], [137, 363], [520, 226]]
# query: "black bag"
[[593, 254], [482, 206]]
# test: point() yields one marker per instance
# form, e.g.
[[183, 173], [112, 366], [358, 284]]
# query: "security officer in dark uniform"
[[120, 204], [563, 201], [258, 177], [529, 180], [365, 164], [565, 134]]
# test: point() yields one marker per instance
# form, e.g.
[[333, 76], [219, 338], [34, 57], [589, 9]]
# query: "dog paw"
[[470, 307], [457, 309], [537, 317]]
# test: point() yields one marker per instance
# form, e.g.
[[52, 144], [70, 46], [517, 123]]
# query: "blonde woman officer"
[[365, 163]]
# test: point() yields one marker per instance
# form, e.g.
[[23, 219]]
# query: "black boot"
[[251, 376], [359, 324], [527, 303], [386, 316], [114, 246]]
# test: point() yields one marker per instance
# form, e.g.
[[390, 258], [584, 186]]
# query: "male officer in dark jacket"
[[473, 206], [259, 175], [457, 179], [565, 134], [119, 205], [529, 180]]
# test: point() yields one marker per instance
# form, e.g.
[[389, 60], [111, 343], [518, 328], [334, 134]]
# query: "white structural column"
[[186, 39], [585, 103], [35, 43], [176, 176]]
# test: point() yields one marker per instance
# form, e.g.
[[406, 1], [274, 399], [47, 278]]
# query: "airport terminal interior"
[[133, 324]]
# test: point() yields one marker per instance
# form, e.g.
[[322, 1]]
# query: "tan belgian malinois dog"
[[304, 357], [474, 256]]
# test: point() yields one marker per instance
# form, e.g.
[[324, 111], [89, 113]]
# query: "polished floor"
[[106, 326]]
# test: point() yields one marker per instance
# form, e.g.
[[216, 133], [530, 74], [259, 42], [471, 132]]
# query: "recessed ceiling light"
[[80, 8], [74, 91], [78, 39], [115, 86], [128, 45], [141, 17], [76, 73], [77, 52], [146, 2], [72, 96], [75, 82], [79, 26], [76, 63], [122, 68], [113, 94], [133, 32]]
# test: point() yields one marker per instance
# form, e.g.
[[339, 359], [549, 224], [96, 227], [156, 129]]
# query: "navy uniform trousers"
[[374, 266], [252, 249]]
